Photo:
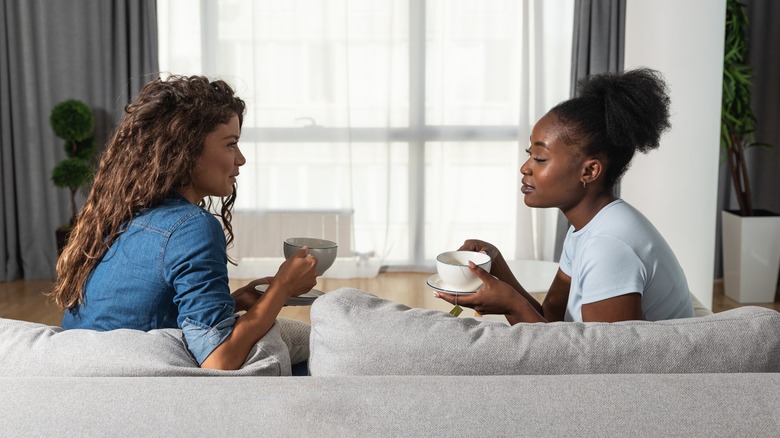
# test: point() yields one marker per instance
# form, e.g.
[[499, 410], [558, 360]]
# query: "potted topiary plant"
[[751, 237], [72, 120]]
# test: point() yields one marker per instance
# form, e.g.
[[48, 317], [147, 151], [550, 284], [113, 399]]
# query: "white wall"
[[676, 185]]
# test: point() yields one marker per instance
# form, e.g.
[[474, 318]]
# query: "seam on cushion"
[[695, 320], [276, 362], [682, 321]]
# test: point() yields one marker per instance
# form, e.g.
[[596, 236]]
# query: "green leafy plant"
[[72, 120], [737, 122]]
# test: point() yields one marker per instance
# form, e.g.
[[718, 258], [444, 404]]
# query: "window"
[[413, 113]]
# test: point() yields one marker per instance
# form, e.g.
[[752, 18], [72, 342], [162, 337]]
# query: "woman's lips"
[[526, 189]]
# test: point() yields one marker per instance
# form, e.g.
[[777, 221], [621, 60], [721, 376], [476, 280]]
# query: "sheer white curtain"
[[414, 114]]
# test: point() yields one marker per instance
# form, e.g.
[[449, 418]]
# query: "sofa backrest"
[[31, 349], [355, 333]]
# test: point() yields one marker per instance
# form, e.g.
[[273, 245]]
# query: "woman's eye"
[[537, 159]]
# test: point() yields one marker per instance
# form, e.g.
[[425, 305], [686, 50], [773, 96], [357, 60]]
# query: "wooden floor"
[[25, 300]]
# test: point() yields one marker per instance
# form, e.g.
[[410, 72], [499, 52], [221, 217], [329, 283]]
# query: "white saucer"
[[300, 300], [435, 282]]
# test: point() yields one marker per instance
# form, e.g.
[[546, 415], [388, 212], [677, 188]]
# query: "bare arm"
[[552, 309], [557, 297], [247, 295], [296, 276], [505, 274], [621, 308]]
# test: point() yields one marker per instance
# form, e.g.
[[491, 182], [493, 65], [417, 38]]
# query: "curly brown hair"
[[151, 154]]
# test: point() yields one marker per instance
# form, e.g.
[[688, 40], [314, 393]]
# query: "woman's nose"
[[524, 169], [240, 159]]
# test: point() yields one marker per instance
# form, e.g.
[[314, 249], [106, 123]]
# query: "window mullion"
[[209, 27], [417, 131]]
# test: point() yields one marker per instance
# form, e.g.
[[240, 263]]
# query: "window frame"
[[416, 135]]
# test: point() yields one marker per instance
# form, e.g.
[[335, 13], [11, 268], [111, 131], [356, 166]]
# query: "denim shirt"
[[168, 269]]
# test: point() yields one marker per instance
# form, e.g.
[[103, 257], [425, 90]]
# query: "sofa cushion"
[[355, 333], [31, 349], [295, 334]]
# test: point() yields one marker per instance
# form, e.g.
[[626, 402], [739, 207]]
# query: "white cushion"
[[355, 333], [30, 349]]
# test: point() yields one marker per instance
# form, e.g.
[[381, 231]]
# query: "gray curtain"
[[599, 38], [598, 46], [97, 51], [763, 164]]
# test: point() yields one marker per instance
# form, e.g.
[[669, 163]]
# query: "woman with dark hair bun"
[[615, 265], [148, 252]]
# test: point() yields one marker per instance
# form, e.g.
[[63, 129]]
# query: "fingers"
[[304, 254], [299, 264], [479, 246], [301, 258], [258, 281], [463, 300], [479, 272], [301, 253], [470, 245]]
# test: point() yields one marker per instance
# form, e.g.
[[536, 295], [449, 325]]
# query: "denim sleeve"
[[195, 264], [201, 339]]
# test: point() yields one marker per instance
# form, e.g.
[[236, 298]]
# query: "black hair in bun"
[[615, 115]]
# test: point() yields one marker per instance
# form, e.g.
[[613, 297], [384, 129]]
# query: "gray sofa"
[[382, 369]]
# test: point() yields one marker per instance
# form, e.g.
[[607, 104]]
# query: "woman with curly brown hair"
[[147, 252], [615, 265]]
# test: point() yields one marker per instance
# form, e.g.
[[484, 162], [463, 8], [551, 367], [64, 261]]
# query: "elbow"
[[217, 362]]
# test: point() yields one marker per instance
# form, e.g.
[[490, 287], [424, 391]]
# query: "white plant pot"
[[751, 257]]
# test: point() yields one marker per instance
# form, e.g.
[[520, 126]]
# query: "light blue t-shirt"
[[619, 252]]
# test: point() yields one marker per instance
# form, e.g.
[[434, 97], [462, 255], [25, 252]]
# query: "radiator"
[[260, 233]]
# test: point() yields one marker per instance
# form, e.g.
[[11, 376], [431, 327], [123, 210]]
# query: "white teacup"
[[324, 250], [453, 269]]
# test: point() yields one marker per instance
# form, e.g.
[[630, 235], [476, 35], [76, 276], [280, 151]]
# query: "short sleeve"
[[565, 262], [611, 269], [195, 264]]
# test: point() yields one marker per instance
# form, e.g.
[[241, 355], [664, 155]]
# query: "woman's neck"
[[189, 194], [587, 209]]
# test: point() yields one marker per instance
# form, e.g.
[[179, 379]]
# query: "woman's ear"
[[591, 170]]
